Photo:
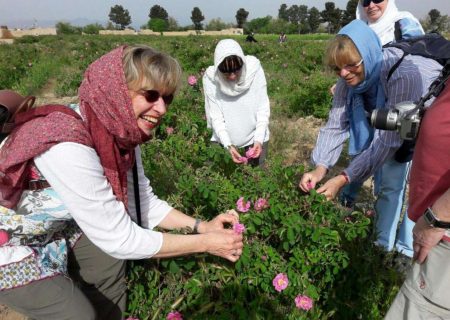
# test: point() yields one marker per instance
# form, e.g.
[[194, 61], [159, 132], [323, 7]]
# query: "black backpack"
[[12, 103], [432, 46]]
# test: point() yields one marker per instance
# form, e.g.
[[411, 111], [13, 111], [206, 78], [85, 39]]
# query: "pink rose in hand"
[[174, 315], [238, 228], [192, 80], [261, 204], [309, 185], [303, 302], [242, 205], [280, 282], [250, 153]]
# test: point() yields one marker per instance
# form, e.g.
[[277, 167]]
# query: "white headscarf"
[[384, 27], [229, 47]]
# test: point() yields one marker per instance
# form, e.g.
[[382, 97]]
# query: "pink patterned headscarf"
[[110, 127]]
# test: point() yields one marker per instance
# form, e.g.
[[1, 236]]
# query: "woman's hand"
[[235, 155], [332, 186], [225, 243], [257, 149], [310, 179], [218, 223]]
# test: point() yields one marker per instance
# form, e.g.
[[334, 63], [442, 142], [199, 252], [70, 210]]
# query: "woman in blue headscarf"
[[356, 55]]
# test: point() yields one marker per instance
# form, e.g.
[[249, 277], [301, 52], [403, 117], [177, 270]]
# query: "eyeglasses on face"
[[366, 3], [348, 67], [153, 96]]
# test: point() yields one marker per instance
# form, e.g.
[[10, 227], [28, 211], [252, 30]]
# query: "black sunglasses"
[[153, 96], [366, 3]]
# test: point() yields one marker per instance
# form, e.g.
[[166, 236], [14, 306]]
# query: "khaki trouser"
[[96, 289], [425, 294]]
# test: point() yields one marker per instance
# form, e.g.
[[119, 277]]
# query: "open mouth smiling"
[[150, 119]]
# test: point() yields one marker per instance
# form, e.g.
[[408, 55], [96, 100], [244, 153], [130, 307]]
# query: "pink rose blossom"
[[192, 80], [169, 130], [309, 185], [264, 258], [242, 205], [261, 204], [4, 237], [174, 315], [303, 302], [238, 228], [132, 318], [280, 282], [250, 153], [244, 160], [370, 213]]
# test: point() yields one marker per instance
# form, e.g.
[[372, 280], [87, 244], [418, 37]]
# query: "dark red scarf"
[[110, 127]]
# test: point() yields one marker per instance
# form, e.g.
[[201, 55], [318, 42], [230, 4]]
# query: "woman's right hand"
[[225, 243], [311, 179], [235, 155]]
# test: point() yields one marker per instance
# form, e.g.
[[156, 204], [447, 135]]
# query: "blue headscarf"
[[369, 93]]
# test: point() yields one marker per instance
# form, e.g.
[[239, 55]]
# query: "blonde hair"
[[147, 68], [341, 51]]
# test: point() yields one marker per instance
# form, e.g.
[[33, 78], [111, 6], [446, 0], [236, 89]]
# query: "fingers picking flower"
[[303, 302], [261, 204], [174, 315], [238, 228], [192, 80], [244, 160], [280, 282], [242, 205], [309, 185]]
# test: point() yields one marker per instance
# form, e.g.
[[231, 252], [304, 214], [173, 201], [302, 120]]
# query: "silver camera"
[[404, 118]]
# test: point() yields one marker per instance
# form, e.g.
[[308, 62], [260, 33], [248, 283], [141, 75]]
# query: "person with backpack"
[[73, 193], [390, 25], [357, 57], [424, 293], [236, 103]]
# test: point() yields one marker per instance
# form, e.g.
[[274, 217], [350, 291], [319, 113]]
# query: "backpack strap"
[[395, 66], [397, 31]]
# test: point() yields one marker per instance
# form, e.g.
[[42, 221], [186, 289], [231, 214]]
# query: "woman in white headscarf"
[[236, 103], [387, 21]]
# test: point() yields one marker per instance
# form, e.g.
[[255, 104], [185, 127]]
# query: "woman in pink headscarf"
[[67, 203]]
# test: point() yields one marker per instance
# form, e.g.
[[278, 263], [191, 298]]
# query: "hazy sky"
[[16, 13]]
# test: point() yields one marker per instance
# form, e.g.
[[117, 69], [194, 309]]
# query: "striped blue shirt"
[[408, 83]]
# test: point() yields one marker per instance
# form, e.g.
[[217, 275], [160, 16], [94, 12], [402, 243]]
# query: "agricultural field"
[[325, 251]]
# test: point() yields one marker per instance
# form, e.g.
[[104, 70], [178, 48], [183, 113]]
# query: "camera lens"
[[384, 119]]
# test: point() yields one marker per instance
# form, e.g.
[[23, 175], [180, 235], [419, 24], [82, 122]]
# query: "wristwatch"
[[431, 219]]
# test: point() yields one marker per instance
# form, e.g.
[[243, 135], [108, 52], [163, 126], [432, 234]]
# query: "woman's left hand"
[[257, 149], [218, 223], [332, 187]]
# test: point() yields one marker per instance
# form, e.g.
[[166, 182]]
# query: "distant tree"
[[293, 14], [241, 17], [120, 16], [258, 25], [280, 25], [436, 22], [197, 17], [157, 25], [158, 12], [217, 25], [303, 19], [332, 16], [172, 24], [350, 12], [67, 28], [110, 26], [283, 12], [93, 28], [313, 19]]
